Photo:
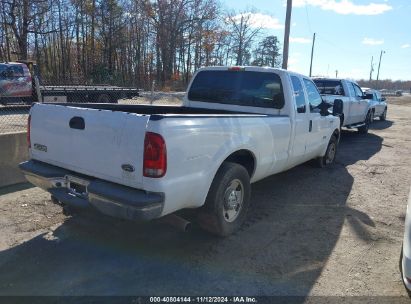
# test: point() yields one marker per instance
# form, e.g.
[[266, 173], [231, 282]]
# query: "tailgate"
[[90, 141]]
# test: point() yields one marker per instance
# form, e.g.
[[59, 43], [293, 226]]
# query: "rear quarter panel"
[[197, 146]]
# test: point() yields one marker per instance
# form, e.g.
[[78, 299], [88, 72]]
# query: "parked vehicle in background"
[[356, 108], [405, 255], [377, 103], [19, 82], [238, 125], [15, 82]]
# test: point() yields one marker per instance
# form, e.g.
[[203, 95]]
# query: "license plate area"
[[77, 186]]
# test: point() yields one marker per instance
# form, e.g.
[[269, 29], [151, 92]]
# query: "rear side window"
[[314, 98], [243, 88], [329, 87], [298, 94], [370, 96]]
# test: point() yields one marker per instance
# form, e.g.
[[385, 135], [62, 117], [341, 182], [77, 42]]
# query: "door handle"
[[311, 126], [77, 123]]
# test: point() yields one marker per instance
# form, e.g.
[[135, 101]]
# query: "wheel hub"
[[331, 154], [233, 200]]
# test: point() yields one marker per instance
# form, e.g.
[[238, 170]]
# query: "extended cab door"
[[317, 125], [379, 104], [301, 125], [359, 108]]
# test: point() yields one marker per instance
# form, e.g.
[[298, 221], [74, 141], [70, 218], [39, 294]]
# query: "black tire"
[[341, 120], [27, 100], [104, 98], [330, 154], [366, 126], [227, 201], [383, 116], [400, 266]]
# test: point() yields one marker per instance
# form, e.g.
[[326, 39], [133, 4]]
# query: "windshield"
[[11, 70], [244, 88], [329, 87]]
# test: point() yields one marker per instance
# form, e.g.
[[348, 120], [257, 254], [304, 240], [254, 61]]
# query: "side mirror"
[[338, 107], [301, 109], [278, 100], [383, 99], [324, 106], [368, 96]]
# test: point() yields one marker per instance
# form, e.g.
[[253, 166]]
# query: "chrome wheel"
[[233, 200], [332, 149]]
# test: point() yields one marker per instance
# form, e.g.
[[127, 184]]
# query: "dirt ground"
[[329, 232]]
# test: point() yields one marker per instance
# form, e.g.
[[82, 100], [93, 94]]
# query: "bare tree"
[[243, 32]]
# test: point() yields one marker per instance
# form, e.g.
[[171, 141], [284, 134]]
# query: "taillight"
[[155, 155], [236, 68], [28, 132]]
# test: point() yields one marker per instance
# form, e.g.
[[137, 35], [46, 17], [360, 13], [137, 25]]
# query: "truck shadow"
[[381, 125], [294, 223]]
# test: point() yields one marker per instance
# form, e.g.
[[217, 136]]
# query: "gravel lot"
[[330, 232]]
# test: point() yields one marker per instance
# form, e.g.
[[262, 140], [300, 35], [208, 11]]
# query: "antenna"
[[312, 54], [287, 34]]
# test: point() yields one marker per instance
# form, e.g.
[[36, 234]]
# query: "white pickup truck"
[[356, 108], [238, 125]]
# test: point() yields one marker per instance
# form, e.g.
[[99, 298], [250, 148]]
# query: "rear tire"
[[227, 201], [104, 98], [383, 116], [330, 154], [400, 266], [366, 126]]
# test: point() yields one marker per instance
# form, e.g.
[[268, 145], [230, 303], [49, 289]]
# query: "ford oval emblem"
[[127, 167]]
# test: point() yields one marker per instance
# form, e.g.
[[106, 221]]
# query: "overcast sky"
[[348, 34]]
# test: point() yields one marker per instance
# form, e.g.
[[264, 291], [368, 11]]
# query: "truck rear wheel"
[[227, 201]]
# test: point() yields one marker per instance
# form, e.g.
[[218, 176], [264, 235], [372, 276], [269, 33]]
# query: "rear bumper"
[[108, 198]]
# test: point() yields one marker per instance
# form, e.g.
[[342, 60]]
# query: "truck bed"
[[159, 110]]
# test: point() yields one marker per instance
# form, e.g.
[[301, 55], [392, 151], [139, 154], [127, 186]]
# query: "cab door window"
[[298, 94], [314, 98], [358, 91]]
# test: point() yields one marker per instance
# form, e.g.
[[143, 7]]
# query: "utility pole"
[[379, 64], [312, 54], [287, 33], [372, 67]]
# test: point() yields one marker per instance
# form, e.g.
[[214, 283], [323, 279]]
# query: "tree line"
[[387, 84], [130, 42]]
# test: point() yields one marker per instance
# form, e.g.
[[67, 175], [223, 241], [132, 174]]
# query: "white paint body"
[[355, 106], [197, 145], [377, 103]]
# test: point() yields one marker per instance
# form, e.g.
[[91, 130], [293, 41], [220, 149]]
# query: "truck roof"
[[332, 79], [12, 63], [249, 68]]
